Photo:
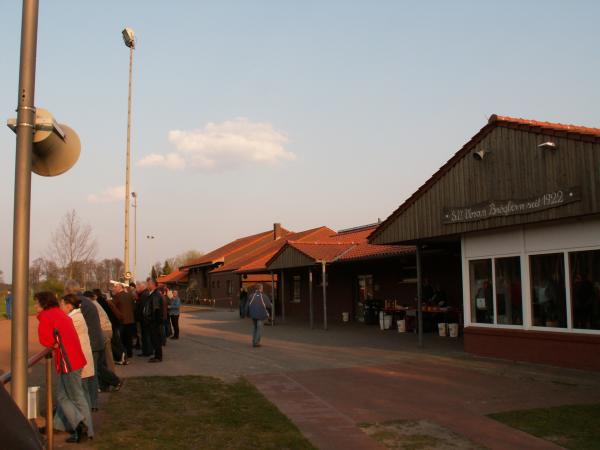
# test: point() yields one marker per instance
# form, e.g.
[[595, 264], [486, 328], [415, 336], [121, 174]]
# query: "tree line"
[[72, 252]]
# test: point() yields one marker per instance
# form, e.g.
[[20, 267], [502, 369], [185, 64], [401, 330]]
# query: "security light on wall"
[[480, 154], [549, 145]]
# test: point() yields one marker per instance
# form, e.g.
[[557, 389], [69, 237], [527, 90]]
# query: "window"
[[296, 292], [218, 284], [482, 303], [584, 269], [365, 287], [212, 284], [509, 305], [229, 288], [548, 297]]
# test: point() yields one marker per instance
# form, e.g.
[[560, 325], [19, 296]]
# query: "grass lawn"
[[193, 412], [575, 427]]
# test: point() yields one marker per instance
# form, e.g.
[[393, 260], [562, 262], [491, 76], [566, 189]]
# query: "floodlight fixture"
[[129, 37]]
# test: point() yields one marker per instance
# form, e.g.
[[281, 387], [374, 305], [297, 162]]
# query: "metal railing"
[[5, 378]]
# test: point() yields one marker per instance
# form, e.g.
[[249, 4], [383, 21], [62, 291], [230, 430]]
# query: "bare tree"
[[72, 243], [184, 258]]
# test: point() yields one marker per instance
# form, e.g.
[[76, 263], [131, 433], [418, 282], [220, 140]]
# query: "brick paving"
[[328, 382]]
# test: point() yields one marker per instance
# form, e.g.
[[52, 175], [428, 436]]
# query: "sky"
[[305, 113]]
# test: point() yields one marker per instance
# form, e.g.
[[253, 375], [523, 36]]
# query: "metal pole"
[[135, 236], [419, 295], [273, 286], [310, 299], [282, 311], [128, 164], [49, 412], [324, 280], [22, 203]]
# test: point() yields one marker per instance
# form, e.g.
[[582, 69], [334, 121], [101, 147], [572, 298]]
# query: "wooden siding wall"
[[290, 257], [516, 169]]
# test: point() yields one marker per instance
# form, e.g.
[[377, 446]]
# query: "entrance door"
[[365, 292]]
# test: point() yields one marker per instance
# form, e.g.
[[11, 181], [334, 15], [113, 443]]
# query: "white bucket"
[[32, 402], [345, 317], [401, 326], [442, 329], [387, 321], [453, 330]]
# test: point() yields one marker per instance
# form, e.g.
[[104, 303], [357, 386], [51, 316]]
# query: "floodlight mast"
[[129, 40]]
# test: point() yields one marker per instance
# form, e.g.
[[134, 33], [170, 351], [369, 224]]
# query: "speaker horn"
[[56, 147]]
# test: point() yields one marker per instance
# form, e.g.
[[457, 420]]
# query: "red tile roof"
[[177, 276], [256, 260], [534, 126], [350, 245], [321, 251], [551, 126], [234, 249], [367, 251]]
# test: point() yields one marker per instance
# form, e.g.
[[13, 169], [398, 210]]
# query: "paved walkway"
[[328, 382]]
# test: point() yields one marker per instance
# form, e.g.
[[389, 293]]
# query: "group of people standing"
[[89, 333]]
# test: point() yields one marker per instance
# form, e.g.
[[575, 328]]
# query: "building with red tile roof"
[[355, 272]]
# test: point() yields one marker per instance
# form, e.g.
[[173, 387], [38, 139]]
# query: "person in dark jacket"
[[153, 315], [92, 321], [258, 310], [124, 310], [174, 308], [243, 300], [118, 350], [57, 331], [143, 298]]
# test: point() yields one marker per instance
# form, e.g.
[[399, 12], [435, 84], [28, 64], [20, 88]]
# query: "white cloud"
[[172, 161], [108, 195], [230, 144]]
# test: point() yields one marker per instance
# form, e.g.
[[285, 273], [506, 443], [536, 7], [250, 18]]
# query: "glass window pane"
[[509, 305], [548, 298], [480, 279], [585, 289]]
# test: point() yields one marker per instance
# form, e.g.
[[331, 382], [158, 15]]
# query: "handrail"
[[44, 354], [7, 377]]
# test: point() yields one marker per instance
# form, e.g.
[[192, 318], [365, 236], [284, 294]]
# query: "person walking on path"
[[8, 300], [174, 308], [124, 310], [153, 315], [258, 310], [106, 377], [92, 320], [243, 300], [57, 331]]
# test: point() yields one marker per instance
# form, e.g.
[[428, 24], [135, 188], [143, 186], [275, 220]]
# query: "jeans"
[[90, 387], [156, 338], [118, 350], [127, 332], [105, 376], [8, 307], [147, 347], [175, 325], [257, 331], [72, 406]]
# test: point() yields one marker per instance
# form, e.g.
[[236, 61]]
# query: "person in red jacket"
[[56, 331]]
